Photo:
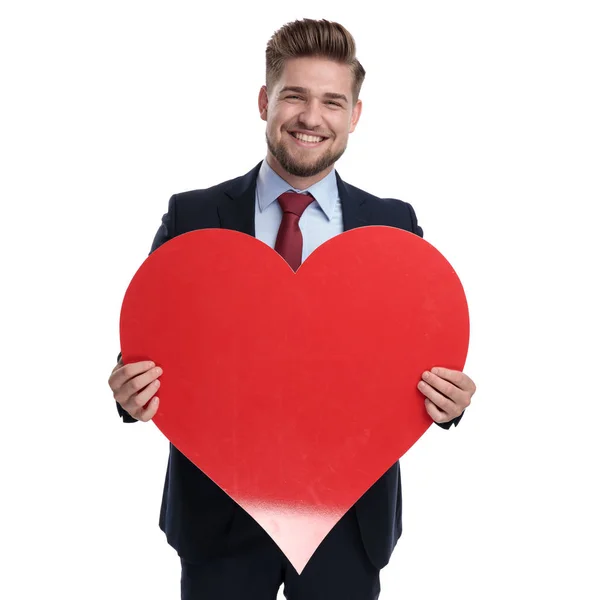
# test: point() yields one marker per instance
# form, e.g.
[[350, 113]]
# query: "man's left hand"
[[447, 393]]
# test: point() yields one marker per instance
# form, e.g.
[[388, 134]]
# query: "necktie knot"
[[292, 202]]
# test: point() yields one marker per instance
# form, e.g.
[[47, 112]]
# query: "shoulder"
[[392, 204], [385, 211], [206, 195], [201, 204]]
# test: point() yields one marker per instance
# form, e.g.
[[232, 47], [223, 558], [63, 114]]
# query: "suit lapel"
[[237, 209], [352, 205]]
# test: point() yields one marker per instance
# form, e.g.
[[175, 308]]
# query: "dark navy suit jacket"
[[196, 514]]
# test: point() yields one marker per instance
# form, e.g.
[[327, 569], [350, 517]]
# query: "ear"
[[356, 112], [263, 101]]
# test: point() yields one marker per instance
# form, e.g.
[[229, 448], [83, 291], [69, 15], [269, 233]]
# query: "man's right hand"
[[134, 386]]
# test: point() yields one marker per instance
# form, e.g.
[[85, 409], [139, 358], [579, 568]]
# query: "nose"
[[310, 117]]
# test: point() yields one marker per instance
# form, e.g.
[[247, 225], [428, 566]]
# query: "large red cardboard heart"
[[294, 392]]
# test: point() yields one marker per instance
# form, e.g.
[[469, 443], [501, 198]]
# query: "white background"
[[483, 115]]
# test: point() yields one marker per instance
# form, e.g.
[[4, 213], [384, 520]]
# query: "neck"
[[298, 183]]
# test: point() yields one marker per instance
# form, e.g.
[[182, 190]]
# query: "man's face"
[[320, 104]]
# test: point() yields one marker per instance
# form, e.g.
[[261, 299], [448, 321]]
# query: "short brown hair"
[[325, 39]]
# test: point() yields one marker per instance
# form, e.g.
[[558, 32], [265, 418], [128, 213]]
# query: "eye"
[[335, 103]]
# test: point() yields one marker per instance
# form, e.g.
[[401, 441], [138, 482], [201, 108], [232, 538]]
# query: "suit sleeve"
[[165, 232], [416, 228]]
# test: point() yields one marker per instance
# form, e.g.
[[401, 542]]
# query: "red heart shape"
[[294, 392]]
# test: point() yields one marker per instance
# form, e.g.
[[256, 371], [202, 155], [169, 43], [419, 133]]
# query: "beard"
[[300, 168]]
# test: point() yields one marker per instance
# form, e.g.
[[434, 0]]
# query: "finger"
[[122, 374], [441, 402], [135, 402], [439, 416], [444, 387], [137, 384], [149, 411], [458, 378]]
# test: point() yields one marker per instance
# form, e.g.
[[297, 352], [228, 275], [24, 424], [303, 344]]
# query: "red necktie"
[[289, 236]]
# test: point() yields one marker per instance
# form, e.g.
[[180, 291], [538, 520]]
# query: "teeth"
[[307, 138]]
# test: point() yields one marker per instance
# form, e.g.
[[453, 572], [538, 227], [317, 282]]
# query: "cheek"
[[278, 126], [340, 135], [287, 117], [341, 128]]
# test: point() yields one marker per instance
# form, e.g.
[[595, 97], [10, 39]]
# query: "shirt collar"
[[269, 186]]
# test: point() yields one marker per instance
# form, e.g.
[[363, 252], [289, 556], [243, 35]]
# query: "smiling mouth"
[[306, 144]]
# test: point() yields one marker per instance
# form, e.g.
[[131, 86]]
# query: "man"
[[293, 201]]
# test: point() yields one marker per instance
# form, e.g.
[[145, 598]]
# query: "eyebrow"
[[302, 90]]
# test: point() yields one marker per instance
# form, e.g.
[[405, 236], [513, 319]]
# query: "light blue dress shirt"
[[320, 221]]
